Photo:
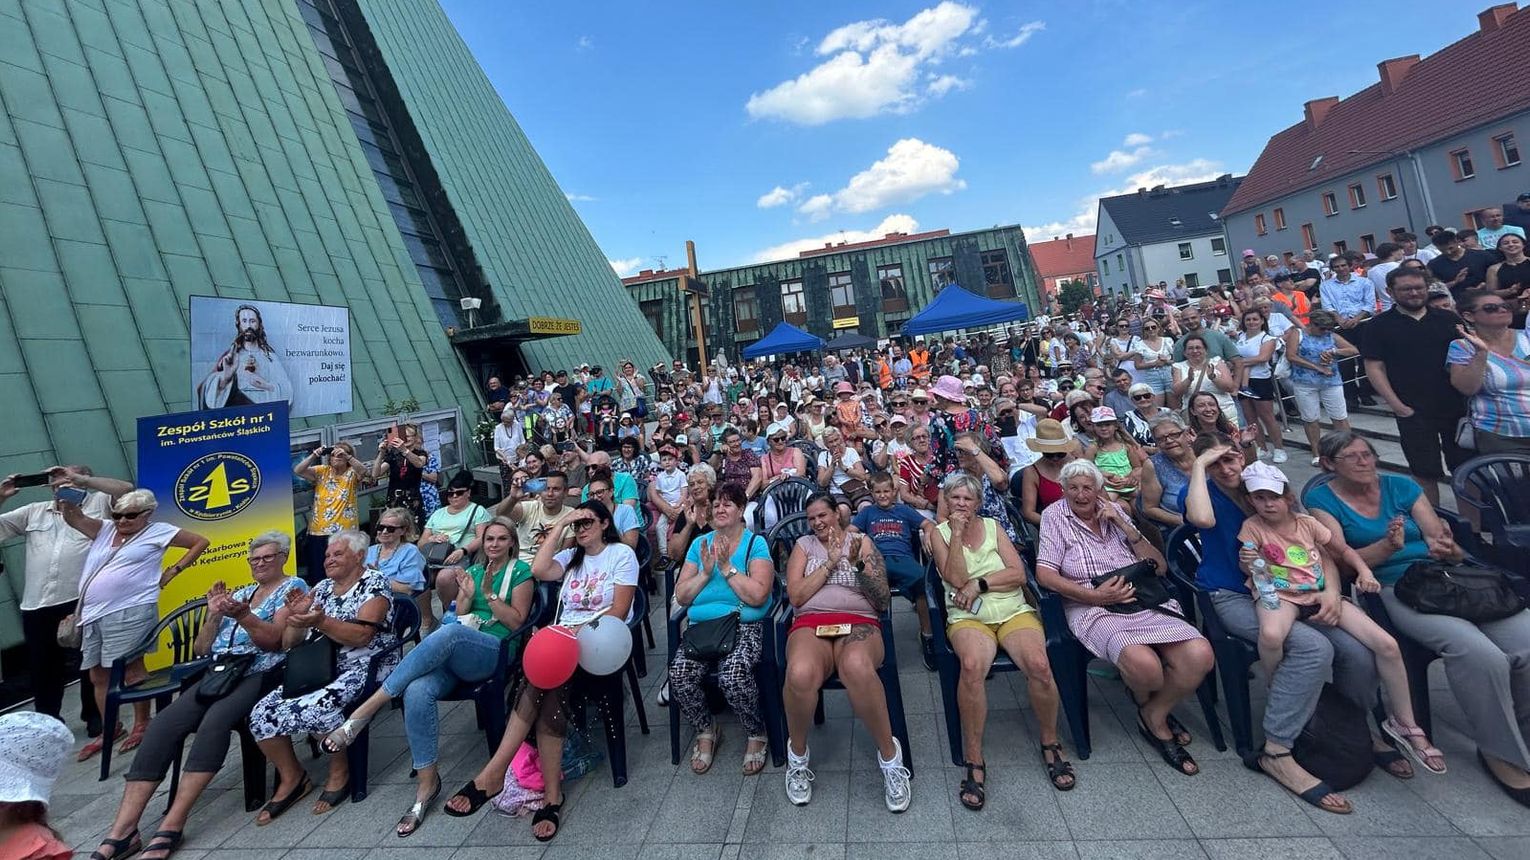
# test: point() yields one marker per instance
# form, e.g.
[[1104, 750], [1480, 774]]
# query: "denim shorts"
[[116, 634]]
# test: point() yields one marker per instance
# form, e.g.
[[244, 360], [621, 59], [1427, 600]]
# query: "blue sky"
[[753, 128]]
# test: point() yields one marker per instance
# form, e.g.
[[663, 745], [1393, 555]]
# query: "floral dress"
[[946, 426], [334, 501], [323, 710]]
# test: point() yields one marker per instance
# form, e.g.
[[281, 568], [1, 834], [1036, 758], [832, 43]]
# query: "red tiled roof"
[[1068, 256], [889, 239], [647, 275], [1459, 87]]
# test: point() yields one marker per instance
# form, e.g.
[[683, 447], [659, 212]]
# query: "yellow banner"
[[553, 325]]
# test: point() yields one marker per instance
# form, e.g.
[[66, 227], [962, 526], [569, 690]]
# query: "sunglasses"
[[386, 529], [127, 515], [1492, 308], [452, 493], [1142, 397]]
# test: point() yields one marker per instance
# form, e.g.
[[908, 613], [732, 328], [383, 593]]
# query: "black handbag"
[[709, 641], [437, 553], [311, 665], [225, 673], [1468, 591], [1151, 589]]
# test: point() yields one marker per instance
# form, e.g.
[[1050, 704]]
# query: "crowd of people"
[[1051, 459]]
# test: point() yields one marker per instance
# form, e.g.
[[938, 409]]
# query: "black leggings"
[[211, 723]]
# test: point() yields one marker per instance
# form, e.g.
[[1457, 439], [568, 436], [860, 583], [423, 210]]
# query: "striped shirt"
[[1502, 405]]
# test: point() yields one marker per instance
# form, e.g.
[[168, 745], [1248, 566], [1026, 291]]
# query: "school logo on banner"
[[217, 486]]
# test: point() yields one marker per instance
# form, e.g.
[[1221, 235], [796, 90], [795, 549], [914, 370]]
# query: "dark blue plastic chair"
[[406, 628], [609, 694], [787, 497], [161, 685], [489, 696], [1497, 488]]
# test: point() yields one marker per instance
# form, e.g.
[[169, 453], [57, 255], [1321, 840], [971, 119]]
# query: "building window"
[[653, 311], [842, 295], [1309, 238], [1192, 279], [1121, 263], [1506, 150], [1386, 186], [1186, 252], [942, 273], [1330, 203], [1224, 276], [1368, 243], [1472, 218], [1280, 218], [894, 295], [1259, 226], [1218, 246], [1357, 196], [793, 303], [1105, 265], [1461, 165], [746, 310], [1341, 247], [996, 275]]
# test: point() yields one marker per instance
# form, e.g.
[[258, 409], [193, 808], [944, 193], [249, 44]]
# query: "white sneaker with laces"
[[799, 780], [1279, 456], [896, 780]]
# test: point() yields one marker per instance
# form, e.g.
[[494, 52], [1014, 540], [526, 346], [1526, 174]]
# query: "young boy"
[[666, 491], [893, 527]]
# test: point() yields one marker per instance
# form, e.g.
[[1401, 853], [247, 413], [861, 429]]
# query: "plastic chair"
[[406, 628], [609, 695], [1234, 654], [810, 451], [646, 583], [1070, 668], [789, 496], [783, 535], [489, 695], [1497, 488], [161, 685]]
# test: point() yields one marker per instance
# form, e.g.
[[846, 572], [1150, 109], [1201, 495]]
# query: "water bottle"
[[1264, 585], [450, 616]]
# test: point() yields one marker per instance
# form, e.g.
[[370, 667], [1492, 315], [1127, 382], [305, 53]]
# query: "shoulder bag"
[[1151, 590], [473, 622], [711, 641], [225, 673], [1473, 592], [437, 553], [314, 663]]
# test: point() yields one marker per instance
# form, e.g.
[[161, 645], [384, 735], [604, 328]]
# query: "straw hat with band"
[[1050, 438]]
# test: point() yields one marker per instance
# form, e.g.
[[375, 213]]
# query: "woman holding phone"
[[336, 476], [402, 457]]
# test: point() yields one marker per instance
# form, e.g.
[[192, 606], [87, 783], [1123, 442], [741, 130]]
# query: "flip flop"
[[134, 738], [332, 798], [550, 812], [94, 746], [166, 841], [475, 796], [343, 736], [275, 808]]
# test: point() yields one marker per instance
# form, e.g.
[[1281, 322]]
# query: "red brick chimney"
[[1494, 17], [1070, 241], [1317, 109], [1394, 70]]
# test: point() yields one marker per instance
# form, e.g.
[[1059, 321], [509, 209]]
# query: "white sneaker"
[[1264, 453], [1317, 461], [896, 780], [1279, 456], [799, 780]]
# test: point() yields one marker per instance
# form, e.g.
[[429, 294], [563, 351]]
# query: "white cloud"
[[910, 170], [1137, 138], [578, 198], [585, 43], [779, 196], [899, 223], [942, 84], [1083, 220], [626, 268], [1136, 93], [1120, 160], [873, 67], [1020, 38]]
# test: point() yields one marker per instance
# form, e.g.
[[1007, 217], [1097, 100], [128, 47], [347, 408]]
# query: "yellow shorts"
[[1023, 621]]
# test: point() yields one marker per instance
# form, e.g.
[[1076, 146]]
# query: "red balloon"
[[551, 657]]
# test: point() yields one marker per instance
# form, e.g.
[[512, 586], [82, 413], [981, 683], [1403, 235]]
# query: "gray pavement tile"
[[1141, 850], [1121, 801], [901, 851], [1384, 806], [320, 854], [928, 818], [774, 820], [1227, 799], [926, 738], [560, 850], [492, 828], [1278, 848], [699, 808], [829, 745], [696, 851], [1413, 847], [1057, 850], [234, 854], [1022, 806], [1466, 796], [615, 816], [1111, 740], [1504, 847], [480, 852], [791, 851]]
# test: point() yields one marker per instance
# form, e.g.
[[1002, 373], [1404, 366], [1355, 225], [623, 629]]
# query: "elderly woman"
[[1389, 522], [352, 608], [493, 597], [1168, 472], [952, 416], [837, 583], [599, 575], [119, 594], [509, 436], [916, 487], [841, 473], [1201, 371], [335, 485], [986, 609], [1162, 658], [695, 517], [395, 554], [1490, 365], [991, 477], [738, 465], [243, 634], [726, 579]]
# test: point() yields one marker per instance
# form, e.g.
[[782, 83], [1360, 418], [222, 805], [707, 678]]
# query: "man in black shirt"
[[1404, 353], [1459, 267], [569, 391]]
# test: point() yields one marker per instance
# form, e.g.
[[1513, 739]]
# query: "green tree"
[[1072, 295]]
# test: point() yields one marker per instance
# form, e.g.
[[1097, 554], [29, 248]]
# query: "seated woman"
[[838, 585], [247, 622], [1168, 471], [695, 518], [395, 555], [599, 575], [1393, 526], [493, 597], [460, 525], [1162, 659], [972, 459], [988, 572], [1041, 481], [726, 572], [351, 607], [841, 473]]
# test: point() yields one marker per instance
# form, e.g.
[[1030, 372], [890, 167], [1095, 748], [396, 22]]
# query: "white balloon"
[[604, 645]]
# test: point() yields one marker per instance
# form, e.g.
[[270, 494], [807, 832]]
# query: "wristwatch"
[[982, 586]]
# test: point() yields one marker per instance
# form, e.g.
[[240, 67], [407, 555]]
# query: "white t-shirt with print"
[[591, 587], [846, 460]]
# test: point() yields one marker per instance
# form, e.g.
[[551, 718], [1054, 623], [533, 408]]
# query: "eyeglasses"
[[127, 515], [1491, 308], [1364, 456], [264, 559], [1168, 437], [582, 523], [1142, 397]]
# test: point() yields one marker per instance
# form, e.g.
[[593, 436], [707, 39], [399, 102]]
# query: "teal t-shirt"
[[1397, 497], [718, 597]]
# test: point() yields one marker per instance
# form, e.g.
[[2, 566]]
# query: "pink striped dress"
[[1079, 554]]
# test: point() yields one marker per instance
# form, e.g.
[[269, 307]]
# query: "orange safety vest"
[[1297, 301], [884, 375], [921, 361]]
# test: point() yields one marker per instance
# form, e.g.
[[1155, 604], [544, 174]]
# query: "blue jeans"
[[905, 575], [451, 655]]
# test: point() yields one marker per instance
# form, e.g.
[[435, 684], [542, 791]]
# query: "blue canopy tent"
[[782, 339], [957, 308]]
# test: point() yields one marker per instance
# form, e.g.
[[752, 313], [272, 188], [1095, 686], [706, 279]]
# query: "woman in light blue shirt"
[[394, 553]]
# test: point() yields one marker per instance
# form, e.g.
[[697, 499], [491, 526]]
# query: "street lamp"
[[1407, 207]]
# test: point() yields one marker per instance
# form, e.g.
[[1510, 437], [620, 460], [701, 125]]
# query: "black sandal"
[[1058, 768], [1176, 755], [1314, 795], [475, 797], [122, 848], [333, 798], [1386, 758], [275, 808], [974, 787], [1178, 729], [166, 841], [547, 813]]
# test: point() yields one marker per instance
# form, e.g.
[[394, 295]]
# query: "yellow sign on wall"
[[847, 322], [553, 325]]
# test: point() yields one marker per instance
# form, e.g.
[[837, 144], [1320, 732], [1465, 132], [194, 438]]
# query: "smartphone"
[[72, 495], [325, 452], [39, 479], [563, 447], [535, 485]]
